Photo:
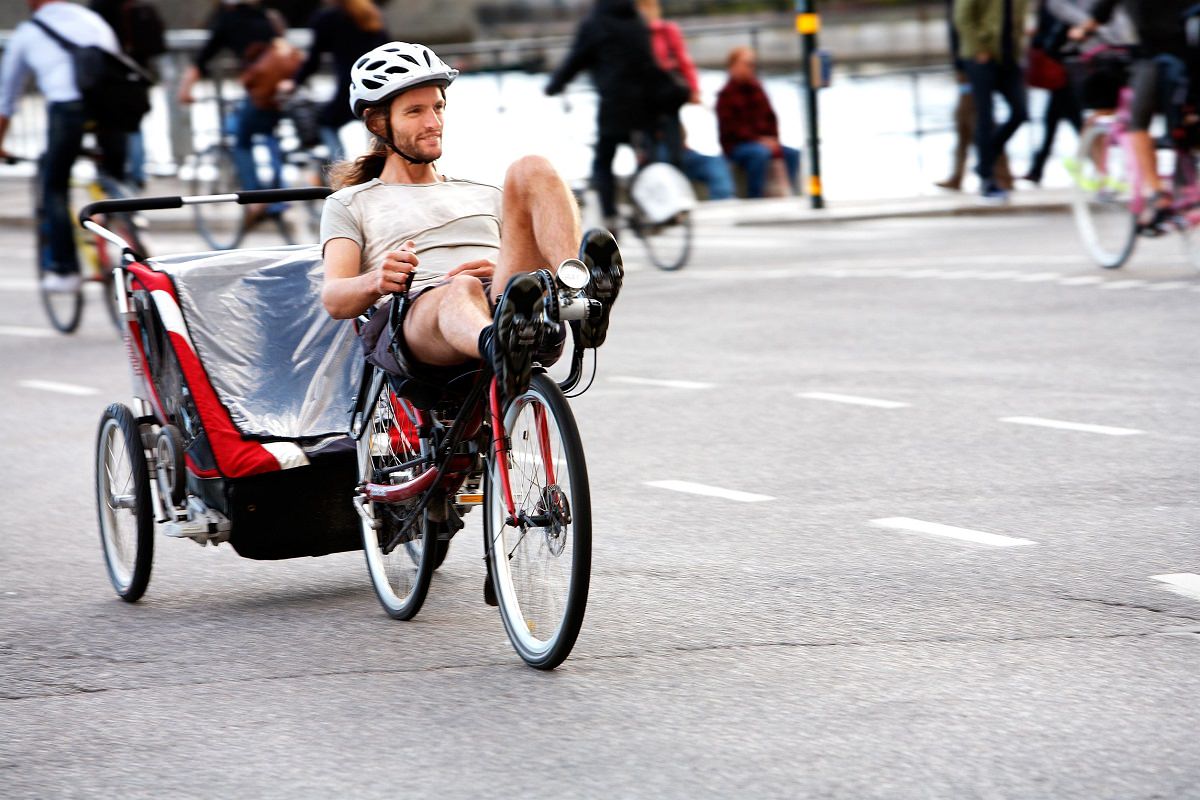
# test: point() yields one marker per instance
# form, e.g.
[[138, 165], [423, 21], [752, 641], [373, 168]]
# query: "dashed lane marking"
[[28, 333], [660, 382], [1038, 277], [60, 388], [910, 525], [1129, 283], [1108, 430], [852, 400], [1164, 286], [1081, 280], [688, 487], [1184, 583]]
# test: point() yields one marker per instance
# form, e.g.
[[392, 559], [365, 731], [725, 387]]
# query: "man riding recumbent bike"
[[256, 421]]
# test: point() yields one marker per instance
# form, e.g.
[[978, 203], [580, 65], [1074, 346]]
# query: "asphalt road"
[[862, 380]]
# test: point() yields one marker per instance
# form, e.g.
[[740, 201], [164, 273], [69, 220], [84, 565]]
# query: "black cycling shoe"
[[516, 332], [599, 252]]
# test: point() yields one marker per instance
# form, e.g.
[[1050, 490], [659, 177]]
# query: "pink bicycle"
[[1111, 193]]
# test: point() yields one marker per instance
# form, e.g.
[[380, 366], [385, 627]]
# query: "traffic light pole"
[[808, 24]]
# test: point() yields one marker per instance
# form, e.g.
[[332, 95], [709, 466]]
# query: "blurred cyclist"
[[397, 224], [1159, 80], [32, 51]]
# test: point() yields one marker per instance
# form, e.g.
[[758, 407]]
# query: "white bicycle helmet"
[[393, 68]]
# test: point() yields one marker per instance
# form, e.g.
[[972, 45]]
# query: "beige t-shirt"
[[451, 222]]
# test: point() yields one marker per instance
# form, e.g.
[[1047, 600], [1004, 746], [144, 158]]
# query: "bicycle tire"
[[540, 573], [222, 225], [1101, 199], [123, 503], [401, 576], [64, 309], [668, 244]]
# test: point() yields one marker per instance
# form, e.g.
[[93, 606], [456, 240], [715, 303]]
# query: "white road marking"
[[1038, 277], [1129, 283], [61, 388], [852, 400], [1184, 583], [949, 531], [1168, 285], [666, 384], [1072, 426], [1081, 280], [710, 491], [30, 333], [17, 284], [998, 275]]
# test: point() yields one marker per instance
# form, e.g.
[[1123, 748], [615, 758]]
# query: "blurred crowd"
[[1080, 52]]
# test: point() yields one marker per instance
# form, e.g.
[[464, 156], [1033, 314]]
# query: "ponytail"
[[366, 167]]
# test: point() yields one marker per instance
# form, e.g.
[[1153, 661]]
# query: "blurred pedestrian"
[[141, 33], [613, 44], [32, 51], [345, 29], [992, 43], [671, 54], [250, 33], [964, 119], [1047, 71], [748, 126]]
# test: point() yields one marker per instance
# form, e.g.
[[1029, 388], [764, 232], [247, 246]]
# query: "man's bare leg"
[[541, 221], [442, 327]]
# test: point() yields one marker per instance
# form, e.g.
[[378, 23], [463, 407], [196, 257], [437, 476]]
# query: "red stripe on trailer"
[[235, 456]]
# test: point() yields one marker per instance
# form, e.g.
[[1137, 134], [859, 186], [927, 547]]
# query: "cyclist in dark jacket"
[[1159, 81], [245, 29], [345, 30], [613, 44]]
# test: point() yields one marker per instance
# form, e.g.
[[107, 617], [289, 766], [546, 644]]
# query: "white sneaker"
[[58, 283]]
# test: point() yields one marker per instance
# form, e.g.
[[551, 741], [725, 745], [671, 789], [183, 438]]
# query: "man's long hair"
[[369, 165]]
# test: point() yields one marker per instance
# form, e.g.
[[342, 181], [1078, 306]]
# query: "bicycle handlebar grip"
[[284, 195], [128, 204]]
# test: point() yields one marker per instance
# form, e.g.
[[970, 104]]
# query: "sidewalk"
[[16, 207]]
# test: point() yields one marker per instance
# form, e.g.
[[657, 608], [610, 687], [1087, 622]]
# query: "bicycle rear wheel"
[[668, 244], [401, 572], [221, 224], [541, 563], [1103, 192]]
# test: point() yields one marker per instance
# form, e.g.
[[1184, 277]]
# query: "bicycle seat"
[[438, 388]]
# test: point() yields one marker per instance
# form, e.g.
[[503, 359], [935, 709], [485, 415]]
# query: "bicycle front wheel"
[[400, 560], [541, 558], [63, 308], [221, 224], [669, 243], [1103, 193]]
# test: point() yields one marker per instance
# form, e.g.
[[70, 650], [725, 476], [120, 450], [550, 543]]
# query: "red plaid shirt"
[[744, 114]]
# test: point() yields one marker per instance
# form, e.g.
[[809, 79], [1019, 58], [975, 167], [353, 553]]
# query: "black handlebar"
[[131, 204]]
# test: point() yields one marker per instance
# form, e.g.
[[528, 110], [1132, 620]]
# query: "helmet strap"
[[389, 141]]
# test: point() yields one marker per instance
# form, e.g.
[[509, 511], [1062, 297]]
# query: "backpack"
[[115, 90], [268, 65]]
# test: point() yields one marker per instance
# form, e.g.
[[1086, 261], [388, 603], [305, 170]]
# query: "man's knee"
[[530, 170], [467, 286]]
